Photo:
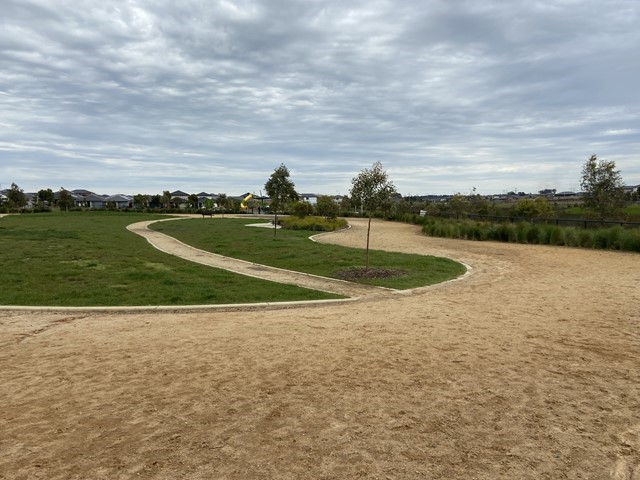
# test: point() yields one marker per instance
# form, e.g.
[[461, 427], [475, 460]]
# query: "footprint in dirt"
[[627, 465]]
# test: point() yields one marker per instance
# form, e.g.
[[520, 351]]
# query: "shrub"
[[314, 224], [615, 235], [528, 208], [533, 234], [478, 233], [571, 237], [501, 233], [630, 240], [556, 236], [601, 239], [585, 239], [327, 207], [521, 232], [616, 238], [300, 209]]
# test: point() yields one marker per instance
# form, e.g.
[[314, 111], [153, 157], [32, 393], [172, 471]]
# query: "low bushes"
[[314, 224], [615, 238]]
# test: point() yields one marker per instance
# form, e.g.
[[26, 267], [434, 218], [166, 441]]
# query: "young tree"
[[45, 195], [65, 200], [156, 201], [166, 198], [371, 190], [345, 204], [141, 201], [16, 196], [224, 203], [193, 200], [458, 205], [478, 203], [603, 187], [281, 190], [208, 204]]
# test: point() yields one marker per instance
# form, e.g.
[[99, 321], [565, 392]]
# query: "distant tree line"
[[603, 197]]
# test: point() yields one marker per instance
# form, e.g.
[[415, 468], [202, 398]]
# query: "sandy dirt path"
[[528, 369], [175, 247]]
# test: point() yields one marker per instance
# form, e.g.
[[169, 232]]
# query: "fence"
[[567, 222]]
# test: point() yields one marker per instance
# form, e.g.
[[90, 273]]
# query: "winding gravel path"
[[172, 246]]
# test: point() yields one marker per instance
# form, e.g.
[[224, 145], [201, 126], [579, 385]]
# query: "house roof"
[[83, 192], [94, 198], [179, 193], [75, 196], [118, 198]]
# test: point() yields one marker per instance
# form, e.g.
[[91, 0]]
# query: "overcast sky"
[[141, 96]]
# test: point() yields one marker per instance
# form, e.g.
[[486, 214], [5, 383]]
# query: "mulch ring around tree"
[[358, 273]]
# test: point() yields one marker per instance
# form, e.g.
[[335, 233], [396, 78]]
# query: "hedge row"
[[315, 224], [614, 238]]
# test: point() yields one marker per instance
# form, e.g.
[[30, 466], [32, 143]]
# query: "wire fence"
[[566, 222]]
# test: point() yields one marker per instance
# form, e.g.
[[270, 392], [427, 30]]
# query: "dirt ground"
[[529, 368]]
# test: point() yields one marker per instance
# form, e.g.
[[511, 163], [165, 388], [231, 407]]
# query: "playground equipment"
[[243, 203]]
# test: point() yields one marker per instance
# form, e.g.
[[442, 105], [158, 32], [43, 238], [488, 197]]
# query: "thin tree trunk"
[[368, 232], [275, 224]]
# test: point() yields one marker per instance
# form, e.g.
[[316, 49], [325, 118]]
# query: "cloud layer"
[[144, 96]]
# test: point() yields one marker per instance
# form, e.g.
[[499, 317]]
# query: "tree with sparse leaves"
[[281, 190], [458, 205], [371, 190], [140, 201], [603, 188], [65, 200], [16, 196], [165, 199], [224, 203]]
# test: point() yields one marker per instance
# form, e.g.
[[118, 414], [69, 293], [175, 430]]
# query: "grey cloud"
[[443, 93]]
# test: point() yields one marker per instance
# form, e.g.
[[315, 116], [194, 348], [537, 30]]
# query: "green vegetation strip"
[[613, 238], [292, 250], [90, 259]]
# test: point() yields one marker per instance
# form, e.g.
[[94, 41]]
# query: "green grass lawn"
[[294, 251], [89, 258]]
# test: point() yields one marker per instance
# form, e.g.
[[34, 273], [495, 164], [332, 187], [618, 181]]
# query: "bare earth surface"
[[529, 368]]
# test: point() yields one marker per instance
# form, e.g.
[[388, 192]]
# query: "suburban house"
[[119, 201], [92, 201], [86, 199], [180, 194], [204, 196], [311, 198]]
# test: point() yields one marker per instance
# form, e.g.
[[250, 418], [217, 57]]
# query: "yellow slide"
[[243, 203]]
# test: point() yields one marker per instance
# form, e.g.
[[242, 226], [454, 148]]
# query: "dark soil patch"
[[357, 273]]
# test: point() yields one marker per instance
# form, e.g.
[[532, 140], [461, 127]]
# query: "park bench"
[[206, 212]]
